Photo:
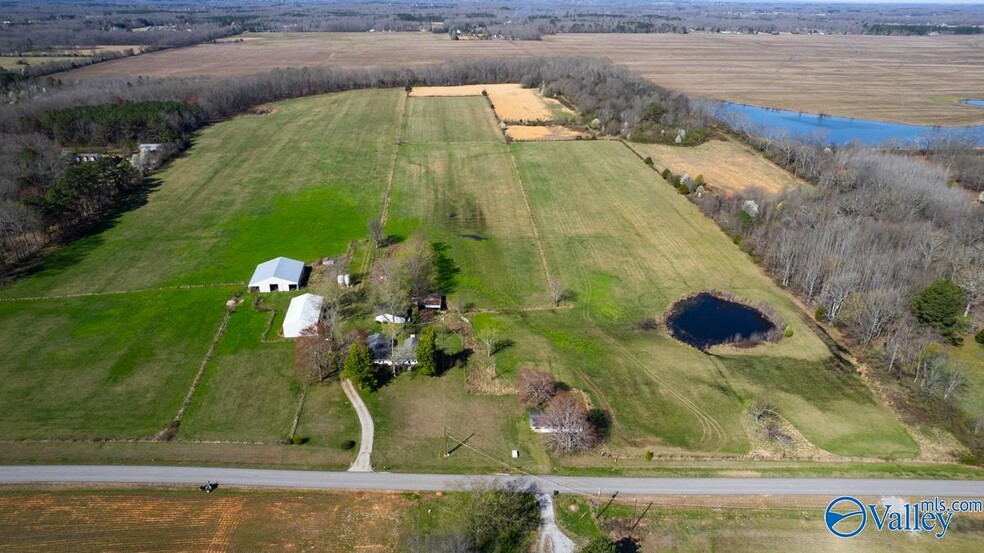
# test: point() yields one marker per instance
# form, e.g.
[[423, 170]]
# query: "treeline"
[[909, 29], [120, 112], [122, 123], [885, 248]]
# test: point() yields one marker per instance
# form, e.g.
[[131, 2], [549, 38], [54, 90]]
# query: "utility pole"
[[607, 505], [640, 516], [445, 453]]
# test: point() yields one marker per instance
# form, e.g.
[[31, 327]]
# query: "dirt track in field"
[[916, 80]]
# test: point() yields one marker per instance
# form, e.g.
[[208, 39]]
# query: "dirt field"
[[526, 134], [726, 165], [512, 102], [908, 79], [188, 520]]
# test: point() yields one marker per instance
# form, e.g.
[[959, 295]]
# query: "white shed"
[[278, 274], [304, 312]]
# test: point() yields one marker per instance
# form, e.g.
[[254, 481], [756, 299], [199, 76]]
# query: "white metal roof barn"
[[303, 313], [280, 274]]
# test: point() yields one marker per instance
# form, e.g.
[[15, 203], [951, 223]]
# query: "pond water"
[[841, 130], [978, 103], [706, 320]]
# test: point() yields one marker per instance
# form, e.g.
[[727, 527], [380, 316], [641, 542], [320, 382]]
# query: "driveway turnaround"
[[389, 481], [363, 462]]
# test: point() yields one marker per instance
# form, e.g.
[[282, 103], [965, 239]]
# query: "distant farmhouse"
[[280, 274], [302, 315], [147, 148]]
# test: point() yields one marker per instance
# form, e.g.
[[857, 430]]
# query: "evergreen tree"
[[427, 352], [358, 367], [938, 306]]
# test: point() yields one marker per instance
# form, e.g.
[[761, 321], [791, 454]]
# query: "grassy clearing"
[[300, 182], [443, 120], [249, 390], [628, 246], [228, 520], [468, 196], [410, 415], [750, 524], [726, 165], [104, 366]]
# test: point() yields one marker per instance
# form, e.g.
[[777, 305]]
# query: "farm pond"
[[841, 130], [706, 320]]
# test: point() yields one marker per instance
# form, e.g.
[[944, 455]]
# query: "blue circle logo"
[[849, 518]]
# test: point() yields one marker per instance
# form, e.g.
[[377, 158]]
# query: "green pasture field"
[[441, 120], [113, 366], [468, 197]]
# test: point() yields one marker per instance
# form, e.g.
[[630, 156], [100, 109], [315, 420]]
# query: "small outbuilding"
[[390, 318], [433, 301], [302, 315], [280, 274]]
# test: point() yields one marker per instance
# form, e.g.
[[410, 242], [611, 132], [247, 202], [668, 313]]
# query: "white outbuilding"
[[280, 274], [303, 314]]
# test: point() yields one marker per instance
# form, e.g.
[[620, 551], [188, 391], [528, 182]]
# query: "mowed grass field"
[[464, 191], [227, 520], [103, 366], [302, 182], [725, 164], [918, 80]]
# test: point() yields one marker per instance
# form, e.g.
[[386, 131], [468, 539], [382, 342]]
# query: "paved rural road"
[[363, 462], [388, 481]]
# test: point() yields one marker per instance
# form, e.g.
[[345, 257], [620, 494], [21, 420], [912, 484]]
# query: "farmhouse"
[[147, 148], [384, 353], [303, 315], [276, 275]]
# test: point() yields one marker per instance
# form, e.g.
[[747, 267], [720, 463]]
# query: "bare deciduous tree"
[[558, 292], [490, 337], [570, 429], [534, 388]]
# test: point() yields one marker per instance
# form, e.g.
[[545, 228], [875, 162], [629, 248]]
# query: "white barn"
[[280, 274], [304, 312]]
